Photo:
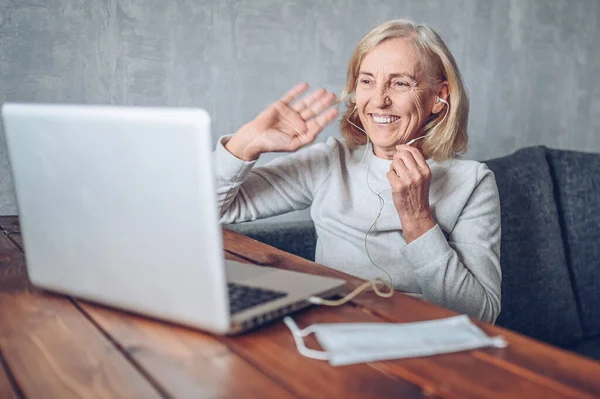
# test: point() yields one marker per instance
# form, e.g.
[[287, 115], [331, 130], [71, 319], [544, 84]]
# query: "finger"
[[409, 161], [318, 106], [417, 155], [415, 175], [290, 121], [395, 181], [307, 101], [316, 125], [301, 138], [395, 176], [400, 169], [294, 92]]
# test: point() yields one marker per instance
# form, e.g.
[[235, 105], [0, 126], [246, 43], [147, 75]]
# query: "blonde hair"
[[443, 141]]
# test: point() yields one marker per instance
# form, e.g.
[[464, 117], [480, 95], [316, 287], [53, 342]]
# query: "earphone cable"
[[377, 281]]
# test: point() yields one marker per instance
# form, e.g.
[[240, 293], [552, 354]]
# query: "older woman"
[[392, 199]]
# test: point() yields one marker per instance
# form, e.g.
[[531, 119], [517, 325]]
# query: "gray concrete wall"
[[532, 66]]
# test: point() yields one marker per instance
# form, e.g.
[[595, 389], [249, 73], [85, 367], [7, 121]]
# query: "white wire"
[[381, 205], [377, 281]]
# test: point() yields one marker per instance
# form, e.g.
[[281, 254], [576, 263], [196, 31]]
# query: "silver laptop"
[[117, 205]]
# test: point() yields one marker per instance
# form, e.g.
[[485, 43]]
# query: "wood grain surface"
[[52, 346]]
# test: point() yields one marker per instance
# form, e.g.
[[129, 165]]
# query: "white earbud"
[[440, 99]]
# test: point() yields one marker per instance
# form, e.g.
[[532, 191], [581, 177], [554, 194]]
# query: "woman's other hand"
[[410, 176], [285, 127]]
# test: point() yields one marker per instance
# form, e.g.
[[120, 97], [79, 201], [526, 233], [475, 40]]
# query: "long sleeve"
[[285, 184], [462, 272]]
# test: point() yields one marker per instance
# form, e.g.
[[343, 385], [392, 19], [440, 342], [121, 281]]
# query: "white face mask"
[[348, 343]]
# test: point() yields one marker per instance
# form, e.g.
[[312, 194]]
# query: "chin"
[[383, 140]]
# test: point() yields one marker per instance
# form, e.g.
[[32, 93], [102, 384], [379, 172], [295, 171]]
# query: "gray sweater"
[[456, 264]]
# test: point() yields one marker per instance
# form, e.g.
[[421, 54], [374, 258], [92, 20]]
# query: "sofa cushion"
[[537, 298], [298, 238], [577, 188]]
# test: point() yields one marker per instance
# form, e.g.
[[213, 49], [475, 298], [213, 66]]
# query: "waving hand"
[[286, 125]]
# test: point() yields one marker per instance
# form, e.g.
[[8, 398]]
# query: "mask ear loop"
[[298, 336]]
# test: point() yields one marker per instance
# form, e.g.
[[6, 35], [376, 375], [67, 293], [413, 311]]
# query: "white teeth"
[[384, 119]]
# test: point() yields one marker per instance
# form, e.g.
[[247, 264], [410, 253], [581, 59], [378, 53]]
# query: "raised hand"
[[283, 126]]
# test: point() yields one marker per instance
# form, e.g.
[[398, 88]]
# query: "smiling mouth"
[[384, 119]]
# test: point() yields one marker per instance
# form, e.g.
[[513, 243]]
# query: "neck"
[[385, 153], [388, 153]]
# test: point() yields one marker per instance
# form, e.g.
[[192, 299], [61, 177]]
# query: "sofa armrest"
[[298, 238], [537, 295]]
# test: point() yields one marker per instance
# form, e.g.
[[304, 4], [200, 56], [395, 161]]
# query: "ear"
[[442, 93]]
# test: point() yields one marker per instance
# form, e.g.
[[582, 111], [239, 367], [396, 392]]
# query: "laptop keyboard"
[[242, 297]]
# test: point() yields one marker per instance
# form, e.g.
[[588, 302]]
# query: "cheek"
[[410, 103], [361, 100]]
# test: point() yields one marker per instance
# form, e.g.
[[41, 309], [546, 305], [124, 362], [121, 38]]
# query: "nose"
[[381, 97]]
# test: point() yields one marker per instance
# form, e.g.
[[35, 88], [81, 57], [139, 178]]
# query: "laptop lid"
[[117, 205]]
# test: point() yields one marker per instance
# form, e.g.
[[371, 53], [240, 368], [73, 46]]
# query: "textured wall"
[[532, 67]]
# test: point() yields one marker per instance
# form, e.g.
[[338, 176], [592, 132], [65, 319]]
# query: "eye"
[[400, 84], [365, 81]]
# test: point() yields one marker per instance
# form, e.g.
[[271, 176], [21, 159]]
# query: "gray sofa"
[[550, 255]]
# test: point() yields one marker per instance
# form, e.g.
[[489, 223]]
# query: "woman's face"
[[393, 98]]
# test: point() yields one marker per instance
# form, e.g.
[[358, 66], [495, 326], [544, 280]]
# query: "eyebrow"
[[393, 75]]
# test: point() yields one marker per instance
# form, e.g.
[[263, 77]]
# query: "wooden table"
[[53, 346]]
